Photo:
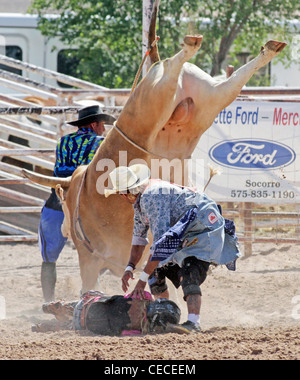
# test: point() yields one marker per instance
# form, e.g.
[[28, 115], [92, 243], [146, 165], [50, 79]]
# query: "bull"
[[165, 116]]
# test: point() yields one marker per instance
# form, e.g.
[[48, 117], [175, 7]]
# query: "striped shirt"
[[74, 150]]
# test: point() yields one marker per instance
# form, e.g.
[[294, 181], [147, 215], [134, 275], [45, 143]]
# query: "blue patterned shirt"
[[74, 150], [163, 204], [159, 207]]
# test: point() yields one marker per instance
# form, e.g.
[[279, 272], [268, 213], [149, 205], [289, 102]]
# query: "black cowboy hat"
[[91, 114]]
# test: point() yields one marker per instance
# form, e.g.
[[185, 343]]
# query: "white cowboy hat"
[[126, 178]]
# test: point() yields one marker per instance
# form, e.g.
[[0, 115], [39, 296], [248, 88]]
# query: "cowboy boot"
[[48, 281]]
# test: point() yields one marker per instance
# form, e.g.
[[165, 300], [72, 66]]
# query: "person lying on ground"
[[113, 315]]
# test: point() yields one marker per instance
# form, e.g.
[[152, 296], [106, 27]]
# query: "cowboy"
[[189, 234], [114, 315], [72, 151]]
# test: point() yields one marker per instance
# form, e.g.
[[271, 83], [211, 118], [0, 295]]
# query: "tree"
[[104, 36], [107, 34], [243, 25]]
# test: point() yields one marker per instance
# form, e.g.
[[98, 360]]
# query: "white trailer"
[[20, 39]]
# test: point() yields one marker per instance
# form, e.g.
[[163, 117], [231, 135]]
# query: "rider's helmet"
[[161, 312]]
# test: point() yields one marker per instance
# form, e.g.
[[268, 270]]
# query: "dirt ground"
[[253, 313]]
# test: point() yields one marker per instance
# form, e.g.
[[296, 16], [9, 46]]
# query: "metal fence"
[[31, 122]]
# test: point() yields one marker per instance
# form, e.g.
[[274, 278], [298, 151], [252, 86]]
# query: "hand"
[[139, 290], [125, 280]]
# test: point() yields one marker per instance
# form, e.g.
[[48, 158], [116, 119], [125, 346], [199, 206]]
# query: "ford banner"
[[256, 148]]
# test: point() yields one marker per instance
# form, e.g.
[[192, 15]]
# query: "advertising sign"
[[256, 146]]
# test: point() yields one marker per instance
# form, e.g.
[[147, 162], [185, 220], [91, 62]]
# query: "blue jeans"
[[51, 240]]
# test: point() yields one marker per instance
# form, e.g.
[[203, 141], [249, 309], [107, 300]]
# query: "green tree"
[[108, 34], [242, 26]]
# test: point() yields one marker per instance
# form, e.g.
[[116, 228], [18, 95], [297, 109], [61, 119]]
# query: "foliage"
[[108, 34], [107, 37], [242, 27]]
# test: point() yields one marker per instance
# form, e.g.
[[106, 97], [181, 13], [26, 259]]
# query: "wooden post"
[[147, 12], [62, 101], [297, 228], [248, 231]]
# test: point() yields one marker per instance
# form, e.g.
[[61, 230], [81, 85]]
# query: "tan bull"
[[166, 115]]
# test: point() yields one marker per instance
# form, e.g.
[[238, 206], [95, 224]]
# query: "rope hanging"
[[142, 64]]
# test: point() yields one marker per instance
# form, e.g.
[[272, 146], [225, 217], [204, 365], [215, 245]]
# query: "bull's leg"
[[226, 92], [162, 79], [190, 46], [89, 269], [173, 65], [160, 83]]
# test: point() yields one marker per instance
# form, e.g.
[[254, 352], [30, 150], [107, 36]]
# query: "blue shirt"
[[74, 150]]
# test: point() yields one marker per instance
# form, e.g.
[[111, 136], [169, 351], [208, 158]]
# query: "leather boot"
[[48, 281]]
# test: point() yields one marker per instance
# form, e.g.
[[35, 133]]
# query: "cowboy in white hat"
[[128, 181], [189, 233]]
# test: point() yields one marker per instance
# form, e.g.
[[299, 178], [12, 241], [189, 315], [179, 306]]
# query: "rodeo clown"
[[113, 315], [189, 234], [72, 151]]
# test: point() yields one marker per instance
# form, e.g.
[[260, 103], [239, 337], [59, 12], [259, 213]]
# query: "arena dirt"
[[253, 313]]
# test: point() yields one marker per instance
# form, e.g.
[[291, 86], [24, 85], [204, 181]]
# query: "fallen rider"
[[113, 315]]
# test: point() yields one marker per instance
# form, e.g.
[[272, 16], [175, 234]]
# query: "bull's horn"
[[47, 181]]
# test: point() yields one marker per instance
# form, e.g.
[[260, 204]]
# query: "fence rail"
[[17, 210], [255, 225], [30, 125]]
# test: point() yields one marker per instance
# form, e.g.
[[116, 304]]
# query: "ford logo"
[[252, 154]]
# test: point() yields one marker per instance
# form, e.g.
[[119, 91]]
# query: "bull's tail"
[[47, 181], [154, 55]]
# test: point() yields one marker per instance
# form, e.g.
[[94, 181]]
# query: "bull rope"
[[135, 144], [142, 64]]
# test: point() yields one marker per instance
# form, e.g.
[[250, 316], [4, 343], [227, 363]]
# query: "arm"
[[157, 208], [57, 159], [139, 241], [141, 284], [135, 256]]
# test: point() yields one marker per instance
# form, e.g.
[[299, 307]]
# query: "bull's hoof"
[[275, 46], [193, 40]]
